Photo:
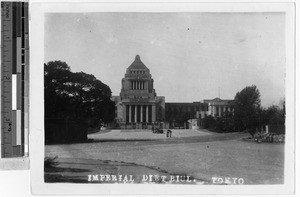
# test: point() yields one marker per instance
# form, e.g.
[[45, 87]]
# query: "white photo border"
[[36, 110]]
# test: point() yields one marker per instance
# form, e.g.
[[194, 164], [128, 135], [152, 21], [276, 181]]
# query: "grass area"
[[81, 171]]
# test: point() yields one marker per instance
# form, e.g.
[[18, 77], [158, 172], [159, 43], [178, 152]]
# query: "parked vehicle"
[[159, 131]]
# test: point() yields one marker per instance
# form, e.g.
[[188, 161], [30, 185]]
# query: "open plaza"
[[206, 157]]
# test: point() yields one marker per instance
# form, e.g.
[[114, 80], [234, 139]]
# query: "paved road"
[[178, 137], [145, 134]]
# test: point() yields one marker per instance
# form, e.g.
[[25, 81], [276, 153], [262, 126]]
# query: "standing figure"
[[169, 133]]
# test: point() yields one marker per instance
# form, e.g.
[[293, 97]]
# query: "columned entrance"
[[140, 113]]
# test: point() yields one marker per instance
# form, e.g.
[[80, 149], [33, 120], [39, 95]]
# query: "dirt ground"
[[199, 154]]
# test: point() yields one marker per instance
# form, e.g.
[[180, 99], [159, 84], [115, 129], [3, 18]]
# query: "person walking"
[[169, 133]]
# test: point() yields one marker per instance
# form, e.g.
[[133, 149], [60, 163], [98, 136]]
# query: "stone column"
[[147, 112], [153, 113], [141, 113], [220, 111], [129, 114], [135, 113]]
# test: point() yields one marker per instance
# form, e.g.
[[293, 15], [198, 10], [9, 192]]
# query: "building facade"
[[138, 105], [217, 107], [181, 112]]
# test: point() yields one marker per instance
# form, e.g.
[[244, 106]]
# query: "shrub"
[[50, 162]]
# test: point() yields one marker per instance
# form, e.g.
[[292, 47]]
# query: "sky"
[[191, 56]]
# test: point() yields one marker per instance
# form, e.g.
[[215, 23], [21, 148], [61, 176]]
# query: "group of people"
[[168, 133]]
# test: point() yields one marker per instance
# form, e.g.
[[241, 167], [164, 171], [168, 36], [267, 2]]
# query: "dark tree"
[[76, 95], [56, 75], [247, 109], [225, 123], [275, 115], [73, 103]]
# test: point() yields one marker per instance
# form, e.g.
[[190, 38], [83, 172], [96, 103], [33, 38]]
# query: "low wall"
[[145, 126]]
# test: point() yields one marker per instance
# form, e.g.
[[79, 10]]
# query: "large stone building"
[[138, 106]]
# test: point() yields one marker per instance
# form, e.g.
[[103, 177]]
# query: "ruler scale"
[[14, 79]]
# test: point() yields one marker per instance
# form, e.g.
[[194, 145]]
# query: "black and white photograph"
[[166, 97]]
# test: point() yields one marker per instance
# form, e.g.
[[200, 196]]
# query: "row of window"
[[137, 72], [187, 108], [223, 109]]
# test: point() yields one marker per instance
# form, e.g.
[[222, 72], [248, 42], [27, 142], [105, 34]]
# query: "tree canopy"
[[76, 95], [247, 108]]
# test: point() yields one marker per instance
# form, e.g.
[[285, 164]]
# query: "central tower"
[[137, 83], [138, 105]]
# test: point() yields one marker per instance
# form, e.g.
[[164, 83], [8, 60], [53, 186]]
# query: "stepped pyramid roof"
[[138, 64]]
